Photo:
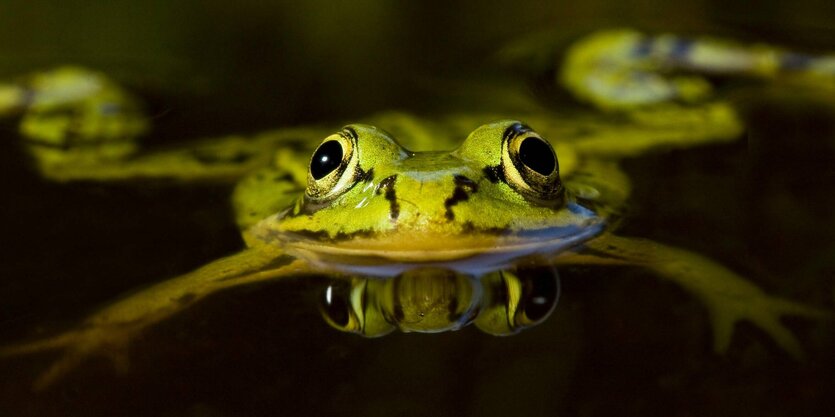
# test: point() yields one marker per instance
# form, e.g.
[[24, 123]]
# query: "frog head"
[[372, 206]]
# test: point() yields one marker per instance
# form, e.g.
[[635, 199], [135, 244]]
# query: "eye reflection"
[[336, 305], [518, 299], [431, 300]]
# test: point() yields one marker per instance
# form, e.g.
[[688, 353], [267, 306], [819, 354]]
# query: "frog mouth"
[[474, 254]]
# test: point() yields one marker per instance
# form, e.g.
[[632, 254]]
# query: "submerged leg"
[[109, 331], [728, 297], [78, 124], [623, 69]]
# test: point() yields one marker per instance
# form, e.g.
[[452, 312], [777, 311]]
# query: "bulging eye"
[[540, 292], [530, 165], [351, 306], [332, 166], [336, 307], [518, 300]]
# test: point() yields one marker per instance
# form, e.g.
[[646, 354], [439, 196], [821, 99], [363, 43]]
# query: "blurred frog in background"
[[427, 222]]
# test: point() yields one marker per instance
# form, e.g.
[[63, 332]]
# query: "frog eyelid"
[[332, 166], [530, 165]]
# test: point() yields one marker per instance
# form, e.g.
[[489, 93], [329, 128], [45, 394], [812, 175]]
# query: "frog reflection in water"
[[370, 205], [436, 300]]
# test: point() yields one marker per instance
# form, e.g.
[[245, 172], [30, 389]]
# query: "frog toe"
[[76, 346], [61, 367], [765, 313], [75, 357], [41, 345]]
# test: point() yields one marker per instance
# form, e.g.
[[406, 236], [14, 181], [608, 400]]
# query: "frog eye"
[[335, 305], [519, 300], [345, 306], [530, 165], [333, 166]]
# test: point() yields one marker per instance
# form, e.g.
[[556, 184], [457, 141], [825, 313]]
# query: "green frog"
[[427, 222]]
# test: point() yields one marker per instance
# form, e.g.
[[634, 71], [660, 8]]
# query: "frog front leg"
[[625, 69], [109, 331], [729, 298]]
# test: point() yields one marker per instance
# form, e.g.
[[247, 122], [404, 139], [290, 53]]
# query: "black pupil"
[[537, 155], [541, 293], [326, 159], [335, 304]]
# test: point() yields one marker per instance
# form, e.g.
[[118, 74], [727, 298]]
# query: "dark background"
[[628, 344]]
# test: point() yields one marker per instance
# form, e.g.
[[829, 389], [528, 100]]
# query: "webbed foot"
[[763, 311], [77, 345], [624, 69], [110, 331], [728, 297]]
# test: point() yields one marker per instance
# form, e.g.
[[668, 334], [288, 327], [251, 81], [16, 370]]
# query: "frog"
[[426, 222]]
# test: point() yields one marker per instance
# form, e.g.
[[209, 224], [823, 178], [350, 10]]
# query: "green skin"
[[439, 201]]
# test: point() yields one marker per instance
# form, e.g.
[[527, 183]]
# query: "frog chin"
[[471, 254]]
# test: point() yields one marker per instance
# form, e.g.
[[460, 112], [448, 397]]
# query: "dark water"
[[620, 342]]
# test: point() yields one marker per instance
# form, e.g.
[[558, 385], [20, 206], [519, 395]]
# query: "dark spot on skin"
[[462, 181], [458, 195], [515, 130], [274, 264], [603, 254], [642, 48], [681, 48], [387, 186], [795, 61], [367, 176], [494, 174], [582, 131], [323, 236], [240, 158], [469, 227], [463, 188], [286, 177], [186, 298], [341, 236]]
